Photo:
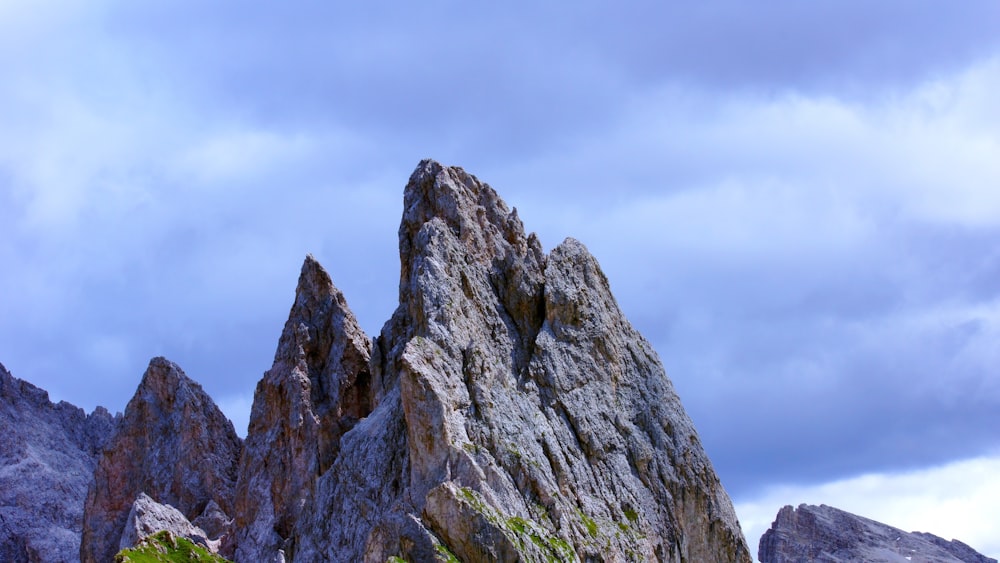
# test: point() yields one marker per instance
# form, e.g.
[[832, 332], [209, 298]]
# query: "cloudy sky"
[[797, 203]]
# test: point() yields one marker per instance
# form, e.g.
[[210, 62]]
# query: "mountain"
[[507, 411], [173, 445], [48, 452], [824, 533], [316, 391]]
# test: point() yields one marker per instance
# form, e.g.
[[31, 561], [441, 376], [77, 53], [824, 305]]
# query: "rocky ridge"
[[506, 412], [174, 445], [48, 452], [510, 409], [824, 533]]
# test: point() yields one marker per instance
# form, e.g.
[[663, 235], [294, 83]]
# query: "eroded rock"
[[147, 517]]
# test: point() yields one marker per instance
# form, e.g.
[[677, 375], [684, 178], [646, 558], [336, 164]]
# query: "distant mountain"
[[823, 533], [48, 452]]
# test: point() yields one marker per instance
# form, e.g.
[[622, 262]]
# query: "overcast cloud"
[[797, 203]]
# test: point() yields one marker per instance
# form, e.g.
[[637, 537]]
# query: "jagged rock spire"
[[317, 389], [508, 411], [534, 422], [173, 444]]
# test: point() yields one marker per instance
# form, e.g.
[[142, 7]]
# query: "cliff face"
[[174, 445], [508, 411], [47, 456], [824, 533]]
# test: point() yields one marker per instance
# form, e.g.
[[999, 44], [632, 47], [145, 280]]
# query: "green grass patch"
[[588, 523], [518, 529], [631, 515], [164, 547], [445, 554]]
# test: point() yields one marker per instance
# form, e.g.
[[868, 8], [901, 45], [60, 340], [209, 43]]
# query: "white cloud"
[[955, 501], [244, 154]]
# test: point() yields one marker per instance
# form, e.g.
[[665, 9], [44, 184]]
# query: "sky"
[[797, 203]]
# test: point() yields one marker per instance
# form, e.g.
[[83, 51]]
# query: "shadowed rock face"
[[47, 456], [824, 533], [508, 411], [174, 445]]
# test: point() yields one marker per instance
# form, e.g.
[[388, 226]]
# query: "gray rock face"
[[508, 412], [317, 389], [824, 533], [47, 457], [173, 444], [147, 517], [214, 521]]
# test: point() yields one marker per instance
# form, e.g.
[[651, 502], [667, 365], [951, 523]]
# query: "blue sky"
[[797, 203]]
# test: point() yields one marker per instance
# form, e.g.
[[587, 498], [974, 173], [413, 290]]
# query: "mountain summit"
[[174, 445], [507, 411]]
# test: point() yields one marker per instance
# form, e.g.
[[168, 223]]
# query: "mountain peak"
[[503, 364], [508, 411], [173, 444], [812, 533]]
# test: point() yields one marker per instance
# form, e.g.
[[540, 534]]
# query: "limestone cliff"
[[174, 445], [823, 533], [47, 456], [508, 412]]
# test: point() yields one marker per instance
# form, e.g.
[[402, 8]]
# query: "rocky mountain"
[[824, 533], [317, 390], [47, 457], [174, 445], [507, 411]]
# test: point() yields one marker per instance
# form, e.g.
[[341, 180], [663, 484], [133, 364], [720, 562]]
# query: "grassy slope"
[[162, 547]]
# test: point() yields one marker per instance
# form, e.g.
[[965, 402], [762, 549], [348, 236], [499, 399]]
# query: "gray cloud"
[[796, 205]]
